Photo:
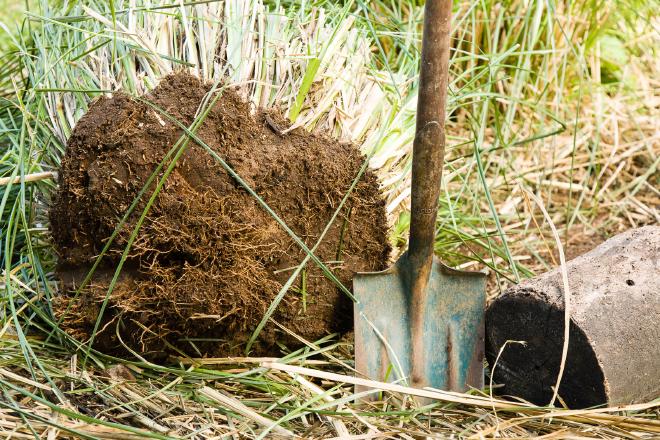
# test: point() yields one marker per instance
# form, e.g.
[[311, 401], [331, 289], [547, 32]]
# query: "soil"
[[208, 259]]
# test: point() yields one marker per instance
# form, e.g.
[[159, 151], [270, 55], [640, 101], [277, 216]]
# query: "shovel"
[[420, 322]]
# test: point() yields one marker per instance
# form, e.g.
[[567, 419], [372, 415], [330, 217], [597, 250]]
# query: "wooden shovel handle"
[[429, 143], [428, 155]]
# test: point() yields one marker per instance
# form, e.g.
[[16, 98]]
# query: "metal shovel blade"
[[453, 333]]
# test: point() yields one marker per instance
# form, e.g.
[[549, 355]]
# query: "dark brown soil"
[[208, 259]]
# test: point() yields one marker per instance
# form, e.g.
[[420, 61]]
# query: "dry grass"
[[538, 104], [260, 398]]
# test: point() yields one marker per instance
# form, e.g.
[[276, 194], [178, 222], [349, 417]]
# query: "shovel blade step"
[[453, 327]]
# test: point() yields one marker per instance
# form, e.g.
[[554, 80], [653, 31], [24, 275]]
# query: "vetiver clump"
[[208, 260]]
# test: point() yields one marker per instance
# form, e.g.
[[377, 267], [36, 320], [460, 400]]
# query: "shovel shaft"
[[429, 143], [428, 155]]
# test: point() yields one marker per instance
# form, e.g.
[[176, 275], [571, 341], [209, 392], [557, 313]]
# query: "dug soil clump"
[[208, 259]]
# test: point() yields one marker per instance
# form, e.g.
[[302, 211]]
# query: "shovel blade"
[[453, 327]]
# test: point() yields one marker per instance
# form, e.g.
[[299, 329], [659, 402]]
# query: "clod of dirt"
[[208, 260]]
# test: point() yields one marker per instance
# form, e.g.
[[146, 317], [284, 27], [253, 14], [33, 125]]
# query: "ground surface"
[[560, 102]]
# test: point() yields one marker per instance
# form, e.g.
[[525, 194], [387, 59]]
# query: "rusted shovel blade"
[[453, 326]]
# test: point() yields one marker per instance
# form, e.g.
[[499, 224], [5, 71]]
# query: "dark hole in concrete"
[[529, 372], [630, 282]]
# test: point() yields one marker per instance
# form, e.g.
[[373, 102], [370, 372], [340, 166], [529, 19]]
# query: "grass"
[[554, 99]]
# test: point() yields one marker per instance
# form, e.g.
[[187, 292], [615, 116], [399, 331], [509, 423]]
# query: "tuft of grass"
[[554, 99]]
